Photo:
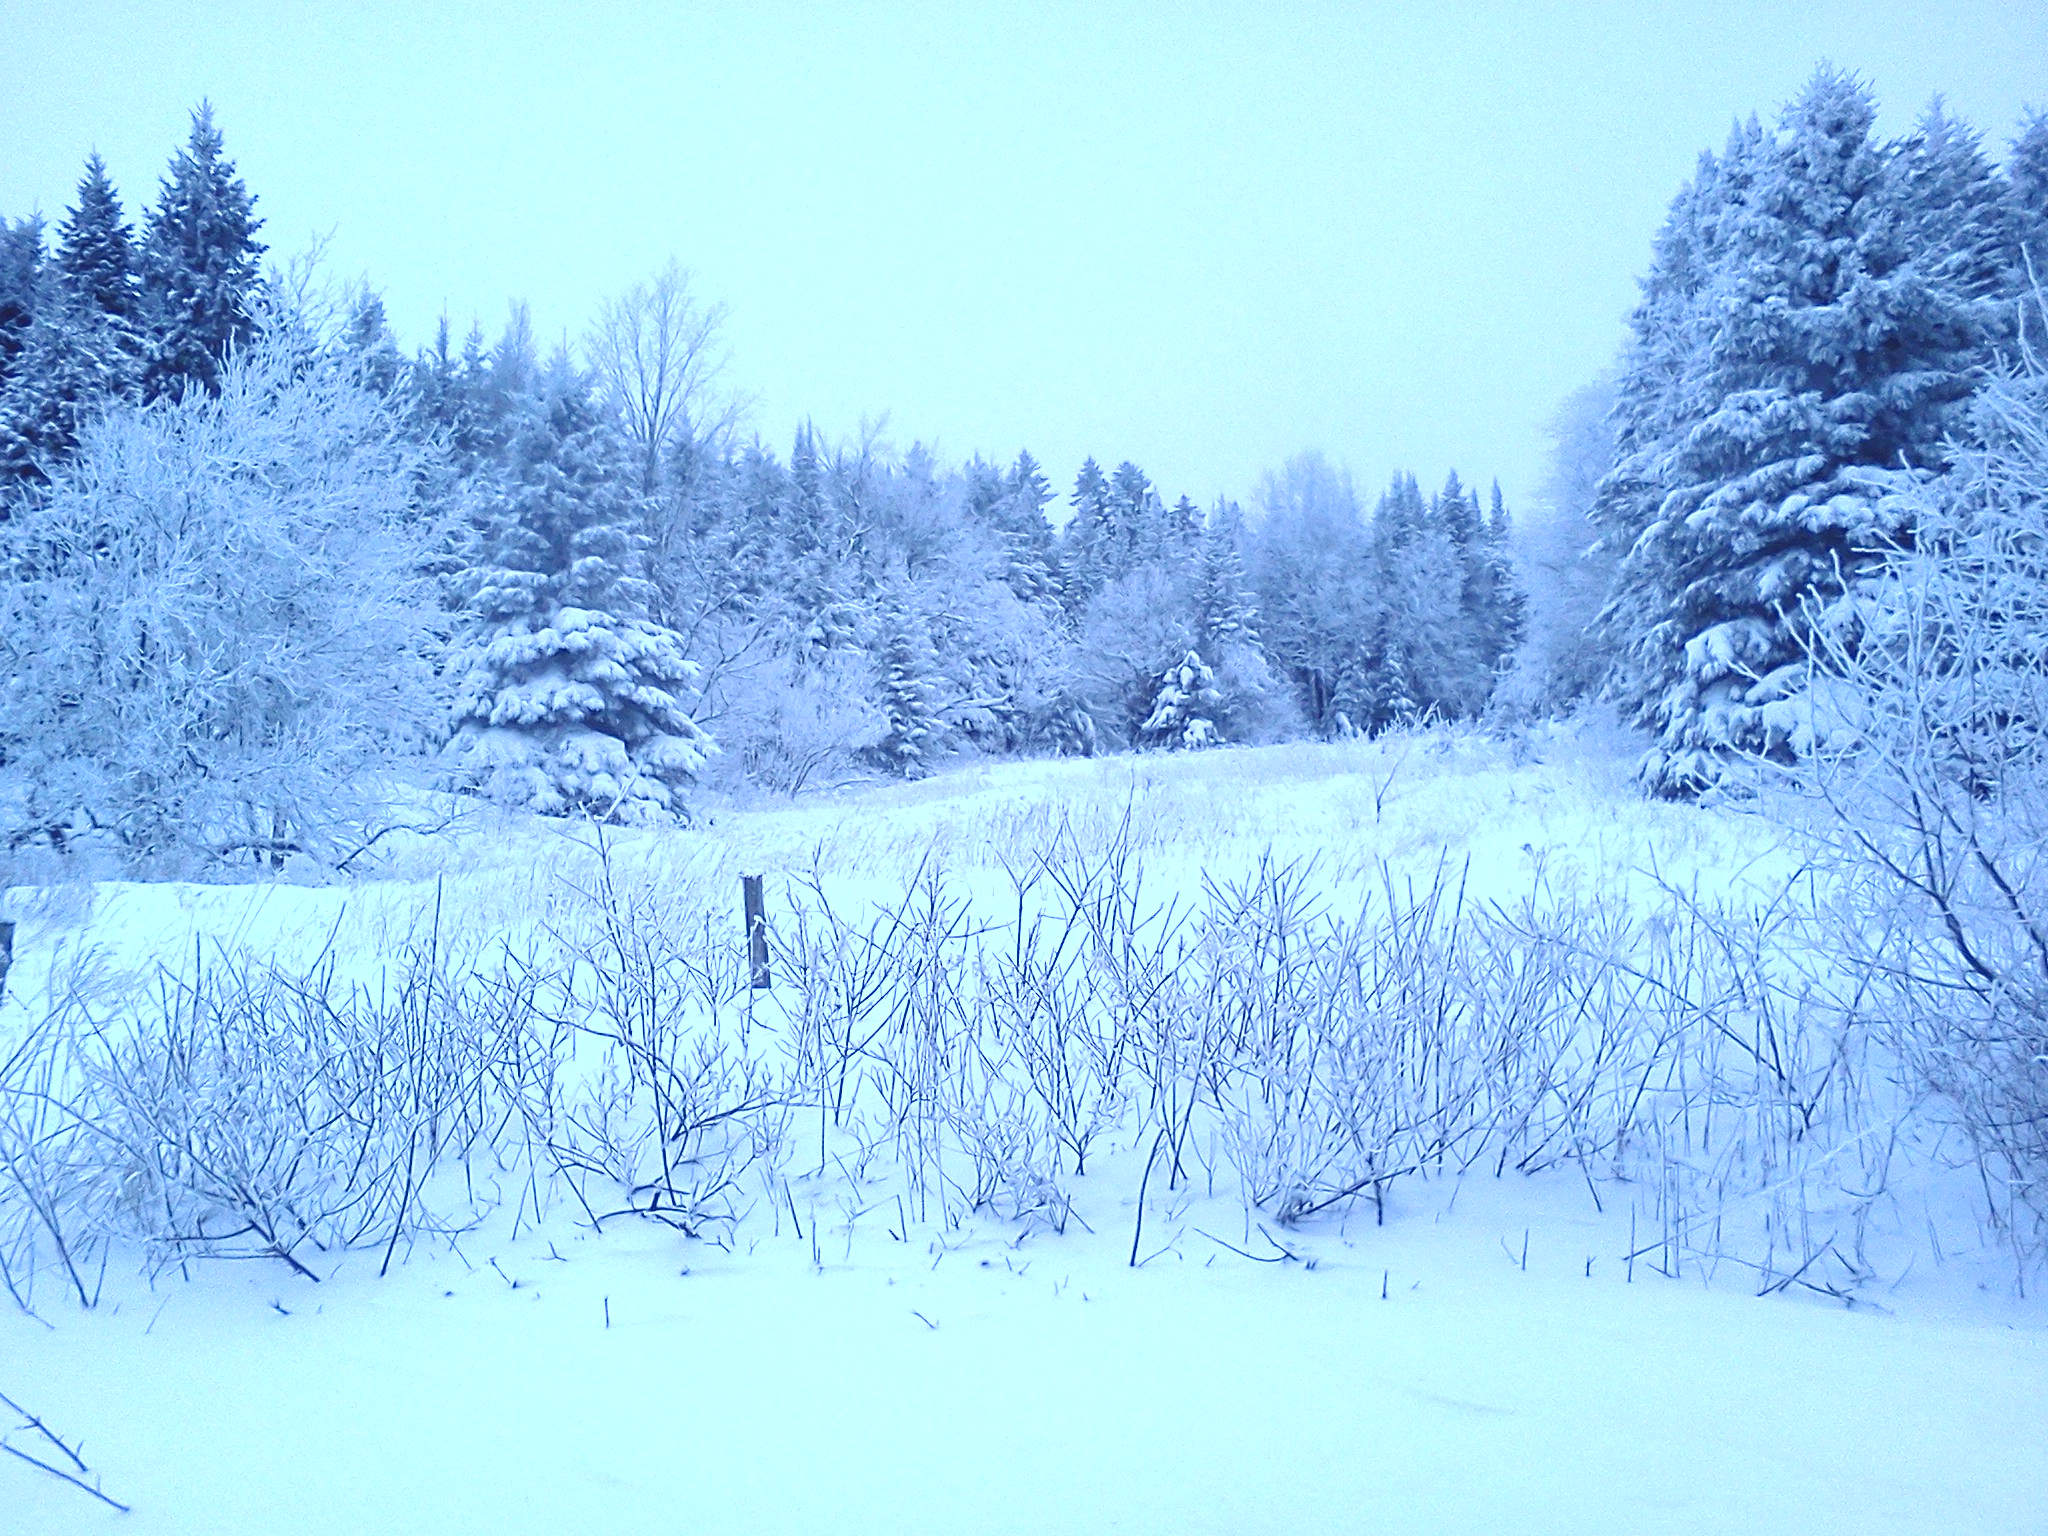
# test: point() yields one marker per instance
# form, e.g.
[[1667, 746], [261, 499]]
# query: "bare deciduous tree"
[[659, 353]]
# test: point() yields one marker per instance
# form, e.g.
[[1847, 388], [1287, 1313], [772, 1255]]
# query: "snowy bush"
[[671, 1097], [240, 1109], [793, 723], [213, 631], [1927, 728], [976, 1055]]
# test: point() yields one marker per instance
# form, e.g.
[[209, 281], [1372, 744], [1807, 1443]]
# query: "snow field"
[[921, 1355]]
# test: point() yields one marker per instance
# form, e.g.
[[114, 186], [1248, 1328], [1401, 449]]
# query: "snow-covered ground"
[[1484, 1359]]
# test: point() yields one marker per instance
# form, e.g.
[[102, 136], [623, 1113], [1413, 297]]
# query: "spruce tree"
[[570, 700], [70, 368], [1027, 535], [1821, 357], [84, 349], [1087, 542], [95, 257], [199, 264], [21, 268], [1185, 707], [905, 667], [1226, 608], [2026, 172], [1495, 606], [1137, 529]]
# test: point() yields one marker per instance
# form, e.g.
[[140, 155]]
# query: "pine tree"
[[1422, 650], [1027, 535], [70, 368], [570, 700], [2026, 172], [1495, 606], [95, 256], [199, 264], [1659, 388], [1136, 521], [366, 339], [1955, 218]]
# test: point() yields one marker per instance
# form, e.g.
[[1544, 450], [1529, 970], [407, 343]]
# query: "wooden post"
[[757, 931]]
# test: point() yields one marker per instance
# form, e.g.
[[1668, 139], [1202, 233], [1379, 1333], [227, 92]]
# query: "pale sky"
[[1199, 236]]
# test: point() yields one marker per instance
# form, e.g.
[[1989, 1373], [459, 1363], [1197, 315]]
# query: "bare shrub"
[[679, 1100], [1925, 724], [238, 1110]]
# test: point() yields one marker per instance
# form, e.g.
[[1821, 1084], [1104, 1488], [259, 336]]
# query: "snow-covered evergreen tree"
[[21, 268], [569, 699], [906, 668], [1820, 355], [1087, 543], [2026, 174], [199, 264], [84, 349], [1012, 504], [1184, 709], [1226, 607]]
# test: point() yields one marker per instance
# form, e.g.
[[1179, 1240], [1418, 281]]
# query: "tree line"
[[258, 559]]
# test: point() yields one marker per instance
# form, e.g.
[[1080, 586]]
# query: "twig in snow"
[[32, 1422], [59, 1472]]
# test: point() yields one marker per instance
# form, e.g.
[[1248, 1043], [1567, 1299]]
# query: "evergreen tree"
[[21, 268], [905, 666], [1010, 505], [83, 351], [71, 367], [1955, 221], [1495, 607], [570, 699], [95, 257], [1826, 344], [1087, 543], [199, 264], [1135, 520], [1226, 608], [367, 341], [2027, 197], [1659, 386], [1422, 650], [1027, 535], [1184, 709]]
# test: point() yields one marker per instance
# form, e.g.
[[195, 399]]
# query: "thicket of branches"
[[1927, 742], [935, 1057]]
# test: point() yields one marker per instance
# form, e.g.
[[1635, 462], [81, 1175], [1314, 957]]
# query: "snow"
[[1482, 1361]]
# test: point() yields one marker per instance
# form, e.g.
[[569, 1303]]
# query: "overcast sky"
[[1202, 237]]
